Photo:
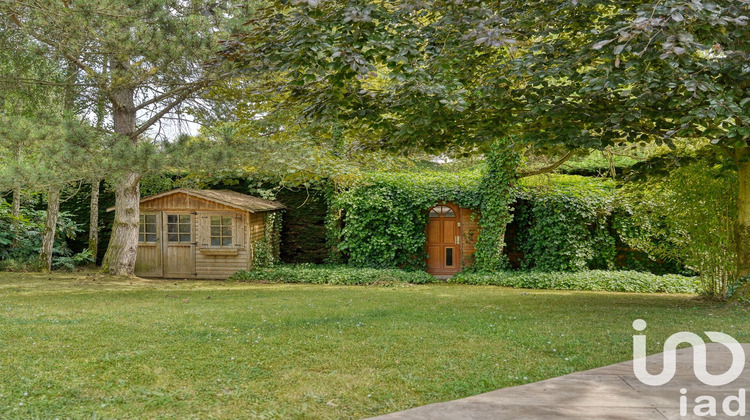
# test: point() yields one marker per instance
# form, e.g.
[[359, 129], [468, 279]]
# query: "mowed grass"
[[86, 346]]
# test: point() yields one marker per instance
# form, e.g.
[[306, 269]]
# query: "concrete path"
[[610, 392]]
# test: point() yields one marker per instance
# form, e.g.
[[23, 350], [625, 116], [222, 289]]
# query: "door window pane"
[[179, 228], [147, 228], [449, 257], [444, 211], [221, 231]]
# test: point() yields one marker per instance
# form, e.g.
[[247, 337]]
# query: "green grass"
[[75, 346]]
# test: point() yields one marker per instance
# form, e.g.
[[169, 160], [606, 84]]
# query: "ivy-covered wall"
[[558, 222], [565, 225], [381, 222]]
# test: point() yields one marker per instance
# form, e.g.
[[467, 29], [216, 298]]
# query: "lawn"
[[90, 346]]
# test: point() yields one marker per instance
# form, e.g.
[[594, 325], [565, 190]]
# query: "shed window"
[[178, 228], [147, 228], [221, 231]]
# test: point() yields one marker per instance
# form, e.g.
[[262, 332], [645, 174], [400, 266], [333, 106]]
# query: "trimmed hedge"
[[331, 274], [594, 280]]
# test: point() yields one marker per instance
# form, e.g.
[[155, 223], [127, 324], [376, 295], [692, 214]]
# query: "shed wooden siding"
[[257, 227], [208, 263], [182, 201], [469, 231]]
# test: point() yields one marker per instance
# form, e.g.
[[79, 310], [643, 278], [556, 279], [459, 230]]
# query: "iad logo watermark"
[[706, 405]]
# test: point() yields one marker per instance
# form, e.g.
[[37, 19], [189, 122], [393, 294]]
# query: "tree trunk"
[[16, 213], [742, 231], [16, 204], [94, 220], [50, 228], [742, 227], [120, 257], [16, 210]]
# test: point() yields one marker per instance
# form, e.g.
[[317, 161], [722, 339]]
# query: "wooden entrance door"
[[179, 245], [443, 241]]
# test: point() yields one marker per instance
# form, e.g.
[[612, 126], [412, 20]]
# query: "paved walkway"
[[610, 392]]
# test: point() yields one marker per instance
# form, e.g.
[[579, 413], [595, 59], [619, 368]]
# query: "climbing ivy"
[[565, 225], [381, 221], [266, 250], [564, 222], [497, 195]]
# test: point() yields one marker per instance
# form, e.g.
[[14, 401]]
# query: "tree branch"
[[549, 168], [173, 92], [77, 62], [151, 121]]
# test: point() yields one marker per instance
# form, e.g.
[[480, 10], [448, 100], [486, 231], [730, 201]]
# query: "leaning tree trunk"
[[94, 219], [50, 228]]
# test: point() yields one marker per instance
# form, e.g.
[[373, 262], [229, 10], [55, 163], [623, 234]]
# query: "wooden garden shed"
[[206, 234]]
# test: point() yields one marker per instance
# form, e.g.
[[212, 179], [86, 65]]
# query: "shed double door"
[[178, 244]]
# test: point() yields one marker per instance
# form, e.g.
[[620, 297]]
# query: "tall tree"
[[146, 57], [19, 103], [440, 75]]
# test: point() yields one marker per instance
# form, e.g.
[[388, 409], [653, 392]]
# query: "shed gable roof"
[[226, 197]]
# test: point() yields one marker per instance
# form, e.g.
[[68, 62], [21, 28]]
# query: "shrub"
[[21, 238], [613, 281], [687, 216], [331, 274], [70, 262]]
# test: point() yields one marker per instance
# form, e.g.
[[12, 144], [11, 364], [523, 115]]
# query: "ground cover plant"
[[331, 274], [602, 280], [591, 280], [76, 345]]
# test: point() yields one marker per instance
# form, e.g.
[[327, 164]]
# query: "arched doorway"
[[443, 241]]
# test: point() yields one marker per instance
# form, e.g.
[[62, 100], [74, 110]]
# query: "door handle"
[[458, 240]]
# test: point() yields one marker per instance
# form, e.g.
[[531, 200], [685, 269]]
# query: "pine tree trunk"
[[15, 212], [120, 257], [16, 204], [94, 220], [50, 228]]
